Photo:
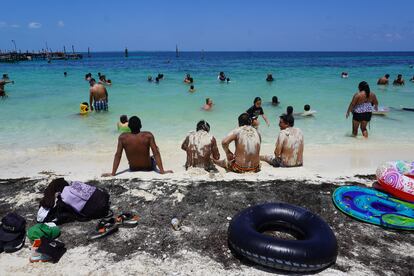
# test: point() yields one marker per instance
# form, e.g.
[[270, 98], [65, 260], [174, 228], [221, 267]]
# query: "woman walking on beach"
[[361, 106]]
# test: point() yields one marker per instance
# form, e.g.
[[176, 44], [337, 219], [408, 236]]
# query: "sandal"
[[104, 228], [127, 220]]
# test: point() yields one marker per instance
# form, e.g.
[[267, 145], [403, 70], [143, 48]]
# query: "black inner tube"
[[283, 227]]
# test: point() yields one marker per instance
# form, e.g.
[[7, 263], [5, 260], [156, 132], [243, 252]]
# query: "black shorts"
[[360, 117]]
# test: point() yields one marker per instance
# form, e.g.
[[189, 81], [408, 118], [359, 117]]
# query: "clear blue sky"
[[261, 25]]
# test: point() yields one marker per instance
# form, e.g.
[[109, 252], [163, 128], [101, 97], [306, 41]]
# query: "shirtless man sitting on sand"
[[5, 80], [247, 141], [137, 146], [98, 96], [289, 145], [200, 146]]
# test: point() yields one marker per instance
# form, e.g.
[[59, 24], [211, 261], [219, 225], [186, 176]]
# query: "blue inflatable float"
[[374, 207]]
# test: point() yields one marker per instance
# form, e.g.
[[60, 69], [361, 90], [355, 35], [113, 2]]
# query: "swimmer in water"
[[384, 80], [255, 111], [307, 111], [399, 80], [201, 148], [188, 79], [275, 101], [122, 125], [412, 79], [192, 89], [344, 75], [149, 78], [5, 80], [209, 104], [222, 77], [160, 76], [88, 77], [65, 74], [269, 78], [247, 142], [289, 110]]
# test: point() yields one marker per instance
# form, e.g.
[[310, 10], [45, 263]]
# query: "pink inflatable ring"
[[397, 179]]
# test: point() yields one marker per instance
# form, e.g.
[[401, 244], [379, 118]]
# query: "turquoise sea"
[[42, 108]]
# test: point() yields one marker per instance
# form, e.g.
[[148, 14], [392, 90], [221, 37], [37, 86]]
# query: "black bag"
[[52, 248], [98, 205]]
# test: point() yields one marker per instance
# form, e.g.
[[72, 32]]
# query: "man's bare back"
[[97, 93], [200, 146], [247, 142], [137, 147]]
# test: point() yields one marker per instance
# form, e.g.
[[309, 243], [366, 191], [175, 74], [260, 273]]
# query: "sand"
[[204, 208], [204, 202]]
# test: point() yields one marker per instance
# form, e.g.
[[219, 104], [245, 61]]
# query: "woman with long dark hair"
[[361, 106]]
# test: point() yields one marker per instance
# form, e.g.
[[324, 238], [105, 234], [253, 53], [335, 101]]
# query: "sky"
[[227, 25]]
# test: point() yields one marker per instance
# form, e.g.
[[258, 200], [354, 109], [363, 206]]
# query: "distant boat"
[[126, 52]]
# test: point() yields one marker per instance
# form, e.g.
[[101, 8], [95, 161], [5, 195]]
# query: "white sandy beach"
[[329, 162]]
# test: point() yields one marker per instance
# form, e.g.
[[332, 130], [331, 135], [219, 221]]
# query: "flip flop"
[[127, 220], [104, 228]]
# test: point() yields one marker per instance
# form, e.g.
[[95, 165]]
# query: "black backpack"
[[98, 205]]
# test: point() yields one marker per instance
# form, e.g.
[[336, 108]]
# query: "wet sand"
[[200, 248]]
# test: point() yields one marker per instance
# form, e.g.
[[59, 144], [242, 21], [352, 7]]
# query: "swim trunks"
[[153, 167], [233, 167], [362, 117], [101, 105]]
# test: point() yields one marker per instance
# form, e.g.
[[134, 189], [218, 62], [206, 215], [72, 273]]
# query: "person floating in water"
[[209, 104], [5, 80], [222, 77], [137, 147], [384, 80], [122, 125], [98, 96], [289, 145], [361, 106], [201, 148], [269, 77], [275, 101], [149, 78], [104, 81], [65, 74], [188, 79], [160, 76], [247, 142], [399, 80], [192, 89], [255, 111], [344, 75]]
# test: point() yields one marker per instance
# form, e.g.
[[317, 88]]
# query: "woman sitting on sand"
[[361, 106]]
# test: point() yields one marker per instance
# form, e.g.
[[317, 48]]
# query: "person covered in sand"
[[247, 142], [384, 80], [98, 96], [200, 146], [5, 80], [209, 104], [289, 145], [137, 147]]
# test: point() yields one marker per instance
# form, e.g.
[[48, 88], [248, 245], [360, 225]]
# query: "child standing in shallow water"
[[123, 124]]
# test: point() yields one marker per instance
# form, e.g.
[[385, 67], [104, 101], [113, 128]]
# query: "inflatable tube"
[[84, 109], [315, 249], [397, 179], [374, 207]]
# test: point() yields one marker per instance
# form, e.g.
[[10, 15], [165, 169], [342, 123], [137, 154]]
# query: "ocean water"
[[42, 108]]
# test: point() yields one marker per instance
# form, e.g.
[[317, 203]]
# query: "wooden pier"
[[12, 57]]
